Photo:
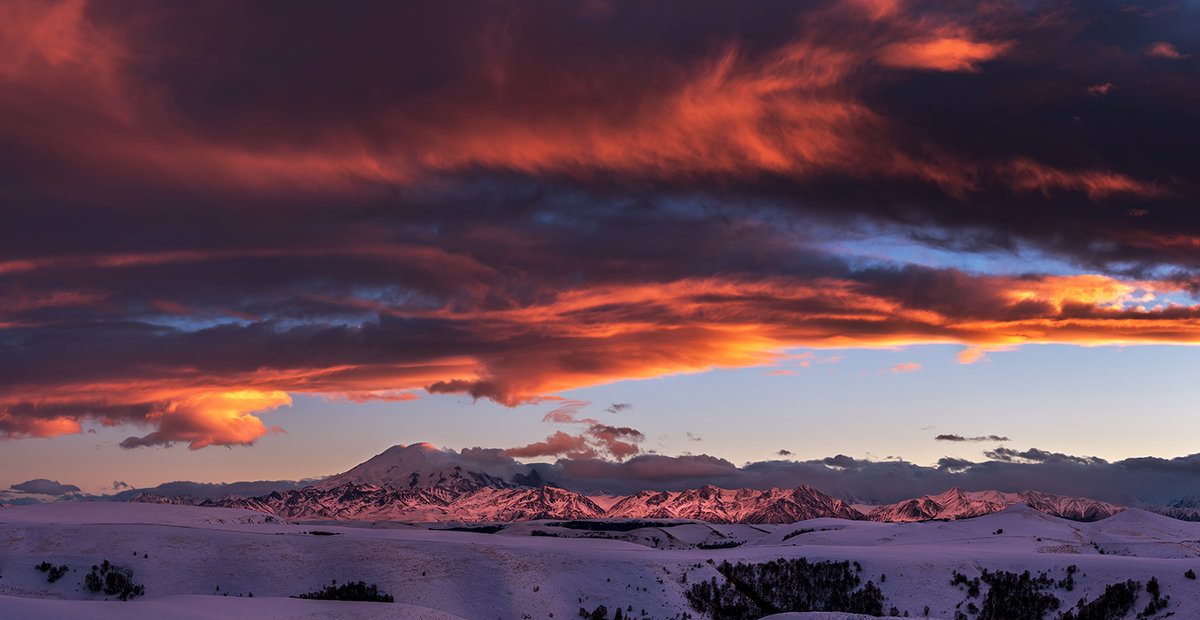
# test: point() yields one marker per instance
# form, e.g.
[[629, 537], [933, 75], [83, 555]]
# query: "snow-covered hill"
[[205, 563]]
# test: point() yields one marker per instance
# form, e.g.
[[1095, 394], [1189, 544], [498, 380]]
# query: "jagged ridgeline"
[[421, 483]]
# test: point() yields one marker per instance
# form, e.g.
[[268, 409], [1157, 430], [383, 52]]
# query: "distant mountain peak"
[[424, 466]]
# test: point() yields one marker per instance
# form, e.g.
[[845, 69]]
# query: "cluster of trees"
[[783, 585], [601, 613], [1023, 596], [1116, 602], [804, 531], [1016, 596], [53, 573], [352, 591], [720, 544], [477, 529], [114, 581], [610, 526], [972, 585], [1157, 601], [1068, 583]]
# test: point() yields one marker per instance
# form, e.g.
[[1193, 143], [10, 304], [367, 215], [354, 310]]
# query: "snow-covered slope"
[[959, 504], [183, 554], [67, 513]]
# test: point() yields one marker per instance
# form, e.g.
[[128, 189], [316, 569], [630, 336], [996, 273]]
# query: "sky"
[[266, 241]]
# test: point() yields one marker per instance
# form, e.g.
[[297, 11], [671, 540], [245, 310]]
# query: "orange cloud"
[[970, 355], [600, 334], [213, 418], [955, 54], [13, 427], [367, 396], [905, 367], [781, 372]]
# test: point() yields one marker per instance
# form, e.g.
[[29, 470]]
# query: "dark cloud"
[[42, 486], [953, 437], [841, 461], [1040, 456], [648, 471], [619, 407], [784, 453], [953, 464]]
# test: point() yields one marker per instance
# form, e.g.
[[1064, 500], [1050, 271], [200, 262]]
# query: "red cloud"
[[1028, 175], [1163, 49], [558, 444]]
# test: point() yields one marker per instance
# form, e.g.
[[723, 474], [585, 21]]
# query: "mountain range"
[[421, 483]]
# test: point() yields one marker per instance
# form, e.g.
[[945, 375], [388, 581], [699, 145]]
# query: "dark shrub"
[[352, 591]]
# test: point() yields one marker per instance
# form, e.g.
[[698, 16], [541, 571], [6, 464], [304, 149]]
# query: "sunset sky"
[[267, 240]]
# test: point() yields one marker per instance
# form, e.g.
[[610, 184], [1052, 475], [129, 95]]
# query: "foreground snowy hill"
[[206, 563]]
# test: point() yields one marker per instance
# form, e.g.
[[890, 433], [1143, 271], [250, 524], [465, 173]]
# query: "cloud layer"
[[554, 195]]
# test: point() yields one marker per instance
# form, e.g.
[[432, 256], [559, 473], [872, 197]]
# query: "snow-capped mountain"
[[421, 483], [525, 505], [959, 504], [422, 466], [709, 503]]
